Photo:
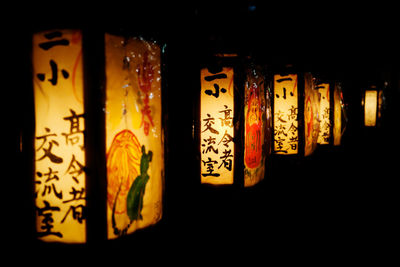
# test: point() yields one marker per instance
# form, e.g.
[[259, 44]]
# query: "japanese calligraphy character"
[[210, 78], [279, 143], [226, 139], [76, 195], [47, 151], [210, 142], [292, 113], [226, 161], [209, 122], [227, 119], [78, 213], [210, 168], [50, 44], [75, 168], [47, 222], [75, 130], [54, 70]]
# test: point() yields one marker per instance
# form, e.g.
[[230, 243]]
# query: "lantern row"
[[244, 116], [286, 113]]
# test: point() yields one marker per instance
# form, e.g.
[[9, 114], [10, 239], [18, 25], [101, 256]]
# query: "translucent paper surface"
[[311, 109], [337, 115], [324, 111], [286, 135], [134, 135], [255, 128], [217, 132], [59, 140], [370, 105]]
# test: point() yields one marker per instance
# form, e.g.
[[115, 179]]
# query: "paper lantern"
[[234, 111], [295, 109], [332, 113], [372, 103], [133, 161]]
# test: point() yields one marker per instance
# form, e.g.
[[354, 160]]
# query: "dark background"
[[338, 202]]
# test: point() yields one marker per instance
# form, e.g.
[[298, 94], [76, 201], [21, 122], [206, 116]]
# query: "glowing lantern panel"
[[59, 139], [370, 107], [311, 109], [286, 136], [134, 135], [216, 130], [337, 115], [255, 123], [324, 111]]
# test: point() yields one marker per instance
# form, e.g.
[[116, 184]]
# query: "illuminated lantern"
[[131, 134], [372, 105], [332, 113], [134, 134], [233, 122], [295, 109]]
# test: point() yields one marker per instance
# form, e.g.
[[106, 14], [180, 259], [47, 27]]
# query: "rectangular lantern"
[[332, 113], [131, 132], [371, 106], [295, 109], [234, 111]]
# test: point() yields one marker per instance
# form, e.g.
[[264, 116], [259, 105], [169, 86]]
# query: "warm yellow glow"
[[324, 113], [337, 116], [286, 137], [370, 105], [59, 140], [216, 138], [134, 135], [311, 122], [255, 123]]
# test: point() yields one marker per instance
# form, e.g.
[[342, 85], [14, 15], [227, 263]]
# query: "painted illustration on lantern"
[[127, 166], [255, 143], [133, 134], [253, 130]]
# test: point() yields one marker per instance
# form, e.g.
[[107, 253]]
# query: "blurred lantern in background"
[[133, 137], [372, 104], [233, 123], [295, 109]]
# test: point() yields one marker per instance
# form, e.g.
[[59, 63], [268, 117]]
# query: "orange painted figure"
[[145, 78], [123, 166], [253, 130]]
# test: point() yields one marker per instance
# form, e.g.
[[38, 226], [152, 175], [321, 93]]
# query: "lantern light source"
[[233, 124], [295, 109], [332, 112], [133, 127], [372, 104]]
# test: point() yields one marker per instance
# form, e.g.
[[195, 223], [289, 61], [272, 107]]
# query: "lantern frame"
[[239, 65], [378, 115], [300, 105], [94, 99], [334, 85]]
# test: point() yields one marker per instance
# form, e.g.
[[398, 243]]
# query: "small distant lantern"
[[295, 109], [332, 113], [372, 104], [233, 123], [134, 160]]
